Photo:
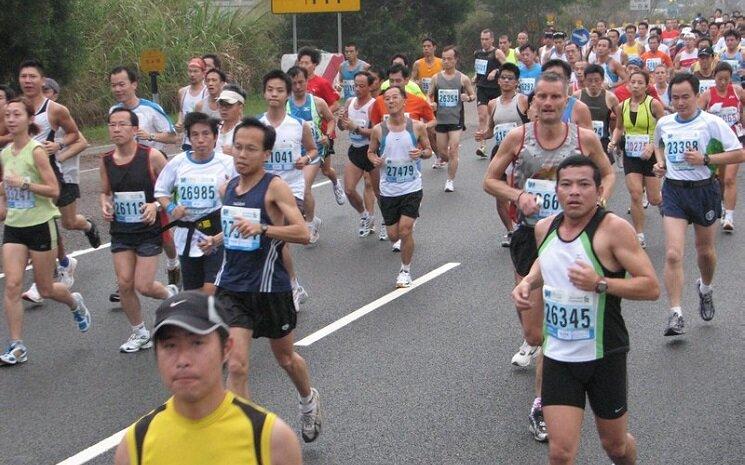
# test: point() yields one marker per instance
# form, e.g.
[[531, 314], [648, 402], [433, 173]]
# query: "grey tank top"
[[507, 112], [449, 105]]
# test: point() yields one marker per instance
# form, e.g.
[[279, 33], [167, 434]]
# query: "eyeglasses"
[[119, 125]]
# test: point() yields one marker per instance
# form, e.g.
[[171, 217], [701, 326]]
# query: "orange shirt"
[[656, 57], [415, 108], [424, 70]]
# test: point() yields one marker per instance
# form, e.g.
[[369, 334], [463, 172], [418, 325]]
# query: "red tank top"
[[728, 107]]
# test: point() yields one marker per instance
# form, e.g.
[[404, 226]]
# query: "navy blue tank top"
[[259, 270]]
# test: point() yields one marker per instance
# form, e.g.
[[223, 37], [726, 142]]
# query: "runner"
[[556, 52], [188, 190], [6, 94], [704, 69], [260, 216], [643, 35], [293, 150], [573, 56], [726, 101], [686, 143], [661, 86], [505, 113], [425, 68], [356, 120], [615, 73], [487, 61], [655, 57], [192, 343], [190, 95], [26, 207], [733, 55], [212, 61], [128, 176], [450, 88], [230, 102], [156, 131], [603, 104], [529, 69], [579, 74], [349, 68], [214, 79], [54, 120], [411, 86], [688, 56], [635, 125], [314, 110], [575, 111], [623, 92], [590, 254], [615, 50], [399, 144], [534, 174], [505, 46], [632, 47]]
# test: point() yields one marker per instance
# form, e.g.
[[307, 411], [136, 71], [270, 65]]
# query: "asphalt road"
[[423, 378]]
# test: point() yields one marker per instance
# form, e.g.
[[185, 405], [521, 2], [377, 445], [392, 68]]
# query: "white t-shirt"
[[288, 148], [152, 119]]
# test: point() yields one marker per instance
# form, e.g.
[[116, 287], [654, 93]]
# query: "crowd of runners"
[[662, 102]]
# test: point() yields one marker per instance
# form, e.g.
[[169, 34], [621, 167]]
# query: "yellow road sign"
[[314, 6], [152, 61]]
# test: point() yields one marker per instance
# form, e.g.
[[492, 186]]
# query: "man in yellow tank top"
[[425, 68], [202, 422]]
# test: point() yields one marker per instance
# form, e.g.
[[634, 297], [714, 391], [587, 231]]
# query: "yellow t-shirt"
[[236, 432], [410, 88]]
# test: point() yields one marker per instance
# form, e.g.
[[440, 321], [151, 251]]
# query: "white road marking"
[[95, 450], [359, 313], [108, 244]]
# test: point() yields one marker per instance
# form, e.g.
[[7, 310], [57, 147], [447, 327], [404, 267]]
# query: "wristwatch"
[[601, 286], [264, 228], [151, 137], [26, 183], [707, 160]]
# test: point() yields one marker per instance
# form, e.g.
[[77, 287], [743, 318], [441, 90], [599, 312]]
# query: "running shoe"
[[114, 296], [537, 425], [507, 239], [172, 290], [383, 233], [438, 163], [174, 277], [396, 247], [706, 302], [314, 227], [525, 354], [299, 296], [364, 229], [136, 342], [645, 200], [481, 152], [449, 186], [642, 242], [339, 195], [728, 226], [403, 279], [67, 273], [81, 314], [310, 420], [94, 238], [15, 353], [675, 325], [32, 295]]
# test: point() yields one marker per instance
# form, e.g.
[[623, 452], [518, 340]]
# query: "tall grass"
[[115, 32]]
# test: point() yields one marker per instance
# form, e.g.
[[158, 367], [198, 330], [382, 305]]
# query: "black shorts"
[[523, 249], [358, 157], [449, 127], [603, 382], [143, 245], [635, 164], [701, 205], [393, 208], [267, 314], [196, 271], [300, 205], [39, 238], [484, 94], [68, 194]]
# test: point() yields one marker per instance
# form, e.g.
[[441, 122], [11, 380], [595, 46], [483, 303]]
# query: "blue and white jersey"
[[288, 148], [347, 72], [152, 119]]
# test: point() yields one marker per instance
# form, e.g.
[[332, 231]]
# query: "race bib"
[[676, 144], [544, 191], [570, 315], [426, 83], [347, 88], [19, 199], [705, 84], [386, 116], [197, 191], [730, 115], [400, 171], [128, 206], [448, 98], [501, 130], [232, 239], [734, 64], [526, 85], [653, 63], [480, 66], [635, 145], [598, 127], [282, 158]]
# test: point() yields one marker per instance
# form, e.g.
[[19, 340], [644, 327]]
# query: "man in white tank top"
[[397, 147], [214, 79], [230, 102], [190, 95]]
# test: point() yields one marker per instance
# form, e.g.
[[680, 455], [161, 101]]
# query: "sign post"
[[153, 62], [640, 5], [295, 7]]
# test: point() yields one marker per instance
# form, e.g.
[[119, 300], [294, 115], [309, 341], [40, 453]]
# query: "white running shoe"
[[67, 273], [449, 186], [403, 279], [310, 420], [383, 233], [396, 247], [299, 296], [365, 226], [438, 163], [526, 353], [81, 315], [728, 226], [32, 295], [172, 290], [339, 195], [314, 235], [136, 342]]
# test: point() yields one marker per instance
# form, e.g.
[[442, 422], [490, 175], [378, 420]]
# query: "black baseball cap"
[[706, 52], [193, 311]]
